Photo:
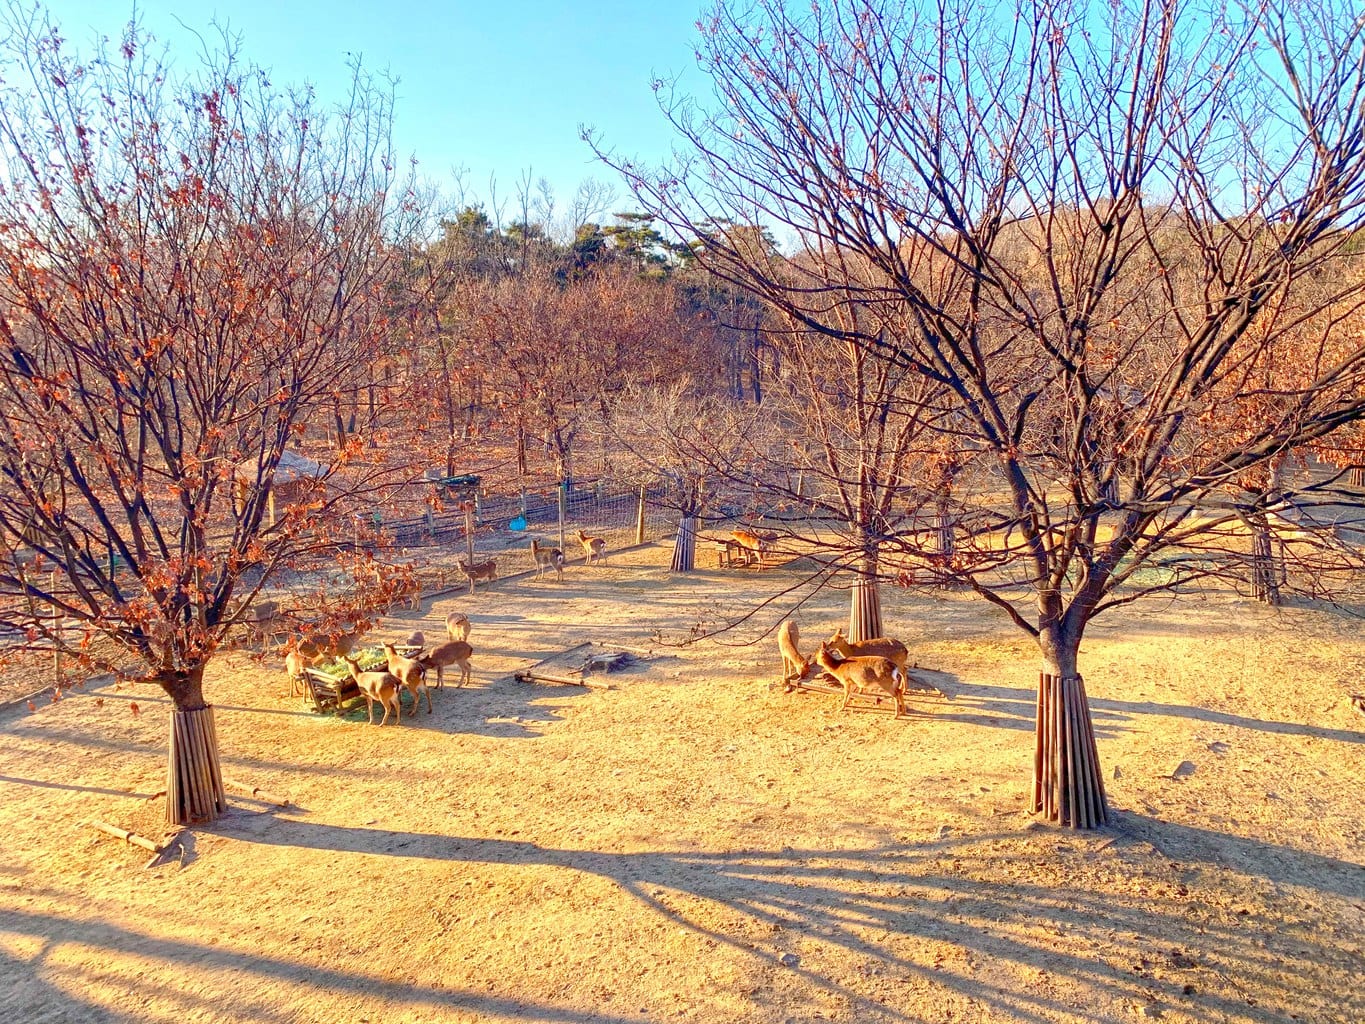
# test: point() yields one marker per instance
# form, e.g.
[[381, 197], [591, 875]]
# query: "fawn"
[[455, 652], [410, 673], [457, 626], [872, 676], [377, 686], [594, 548], [547, 558]]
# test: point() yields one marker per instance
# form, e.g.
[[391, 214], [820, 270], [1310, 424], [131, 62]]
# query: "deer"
[[547, 558], [479, 571], [794, 666], [872, 676], [410, 673], [314, 651], [753, 545], [594, 548], [880, 647], [455, 652], [415, 639], [377, 686], [457, 626]]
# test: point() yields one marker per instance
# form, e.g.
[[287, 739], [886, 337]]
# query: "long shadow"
[[40, 1001], [1015, 708], [56, 930], [954, 892], [1148, 707], [42, 784]]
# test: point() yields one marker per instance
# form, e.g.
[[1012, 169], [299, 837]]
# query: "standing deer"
[[873, 677], [877, 647], [455, 652], [794, 666], [410, 673], [547, 558], [377, 686], [457, 626], [594, 548]]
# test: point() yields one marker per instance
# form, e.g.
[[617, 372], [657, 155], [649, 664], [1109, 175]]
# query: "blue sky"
[[495, 87]]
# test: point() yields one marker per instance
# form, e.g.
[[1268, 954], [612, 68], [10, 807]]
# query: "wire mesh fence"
[[492, 525]]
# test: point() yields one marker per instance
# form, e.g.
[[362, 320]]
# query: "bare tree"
[[1090, 234], [192, 267]]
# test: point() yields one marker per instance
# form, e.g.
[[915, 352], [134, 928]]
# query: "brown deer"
[[794, 666], [754, 545], [547, 558], [455, 652], [872, 677], [377, 686], [314, 651], [594, 548], [878, 647], [410, 673], [479, 571], [457, 626]]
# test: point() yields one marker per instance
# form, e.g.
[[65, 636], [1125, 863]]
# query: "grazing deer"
[[753, 545], [416, 639], [293, 668], [316, 650], [878, 647], [873, 677], [456, 652], [479, 571], [410, 673], [594, 548], [794, 666], [377, 686], [457, 626], [547, 558]]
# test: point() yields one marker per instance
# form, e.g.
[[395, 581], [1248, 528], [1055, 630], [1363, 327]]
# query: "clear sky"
[[494, 86]]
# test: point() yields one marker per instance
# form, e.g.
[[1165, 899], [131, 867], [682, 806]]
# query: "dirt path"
[[693, 846]]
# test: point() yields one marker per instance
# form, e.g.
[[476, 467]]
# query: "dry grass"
[[694, 846]]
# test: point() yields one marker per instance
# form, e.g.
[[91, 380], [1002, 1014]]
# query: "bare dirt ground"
[[693, 846]]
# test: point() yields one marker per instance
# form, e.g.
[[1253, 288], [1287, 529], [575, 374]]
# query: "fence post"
[[563, 510], [640, 517], [523, 501], [469, 531]]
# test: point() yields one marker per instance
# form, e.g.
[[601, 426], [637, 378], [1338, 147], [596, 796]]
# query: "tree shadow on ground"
[[43, 1001], [1135, 946]]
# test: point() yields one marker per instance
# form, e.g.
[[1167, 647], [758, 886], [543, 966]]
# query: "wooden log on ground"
[[127, 837], [527, 676], [255, 792]]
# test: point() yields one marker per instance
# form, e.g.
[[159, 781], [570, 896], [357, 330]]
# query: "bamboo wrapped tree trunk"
[[194, 777], [1265, 572], [865, 613], [1356, 477], [1067, 787], [685, 545]]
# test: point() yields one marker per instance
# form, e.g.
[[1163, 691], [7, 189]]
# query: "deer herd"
[[877, 669]]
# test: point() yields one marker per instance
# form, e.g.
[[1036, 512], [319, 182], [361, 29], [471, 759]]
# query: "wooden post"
[[640, 517], [469, 531], [563, 510]]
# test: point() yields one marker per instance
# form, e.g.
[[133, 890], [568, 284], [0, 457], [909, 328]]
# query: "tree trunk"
[[685, 546], [521, 449], [194, 777], [1067, 787], [1265, 572], [865, 612]]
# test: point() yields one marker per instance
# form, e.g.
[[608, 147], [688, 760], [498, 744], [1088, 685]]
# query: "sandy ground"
[[692, 845]]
